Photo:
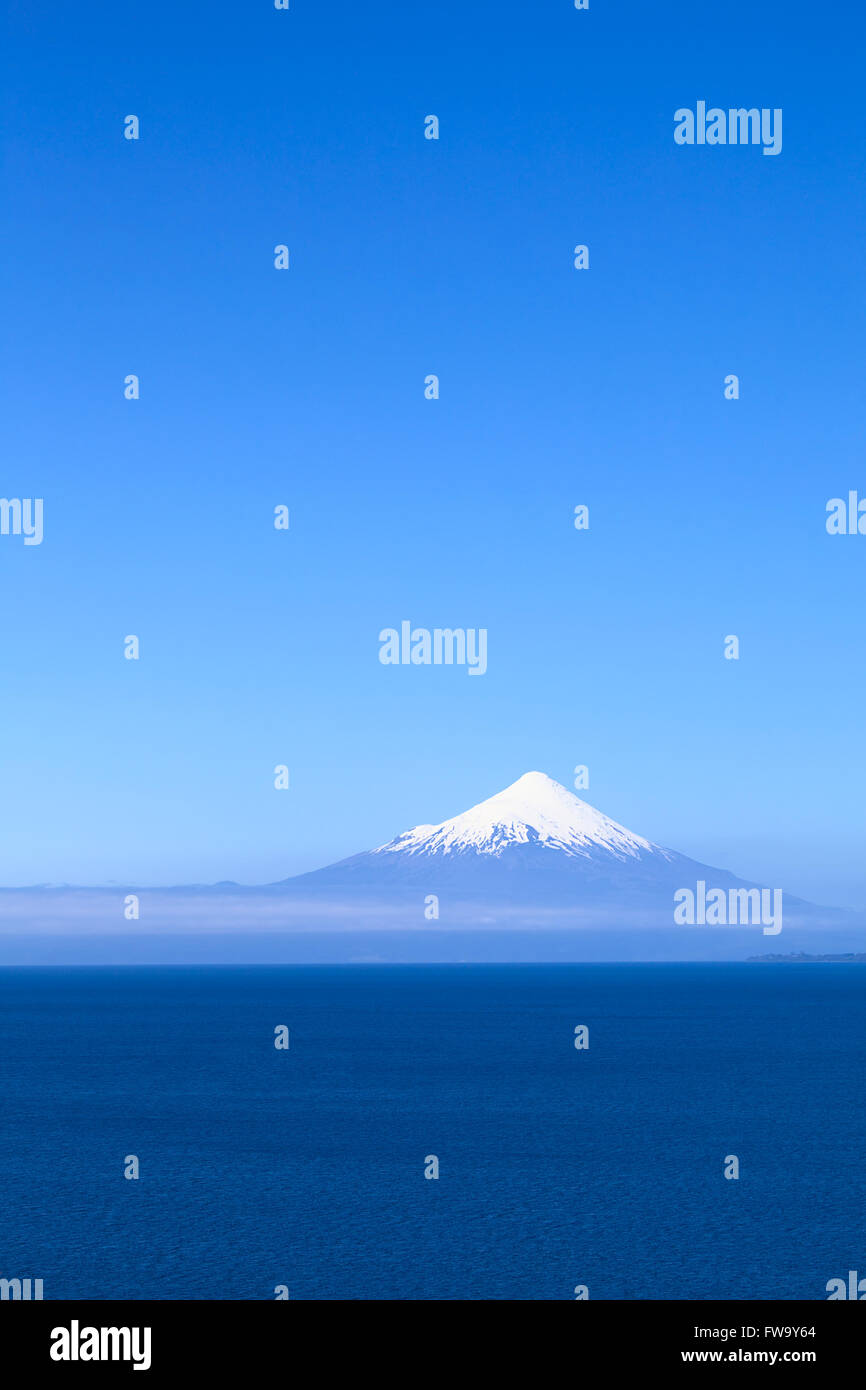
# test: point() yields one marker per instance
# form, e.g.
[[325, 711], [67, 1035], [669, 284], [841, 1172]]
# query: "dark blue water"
[[557, 1167]]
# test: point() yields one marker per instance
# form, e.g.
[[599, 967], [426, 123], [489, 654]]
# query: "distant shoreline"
[[801, 957]]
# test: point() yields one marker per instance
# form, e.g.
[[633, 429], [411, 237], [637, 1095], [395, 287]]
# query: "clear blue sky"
[[305, 387]]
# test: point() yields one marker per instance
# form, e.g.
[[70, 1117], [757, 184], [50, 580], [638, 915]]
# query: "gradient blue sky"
[[306, 388]]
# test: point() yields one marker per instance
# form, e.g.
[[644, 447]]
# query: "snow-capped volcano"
[[531, 859], [534, 843], [533, 810], [532, 852]]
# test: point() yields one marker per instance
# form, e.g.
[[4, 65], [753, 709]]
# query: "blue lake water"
[[558, 1167]]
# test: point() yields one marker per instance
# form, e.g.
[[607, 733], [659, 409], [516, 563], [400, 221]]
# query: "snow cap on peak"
[[535, 808]]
